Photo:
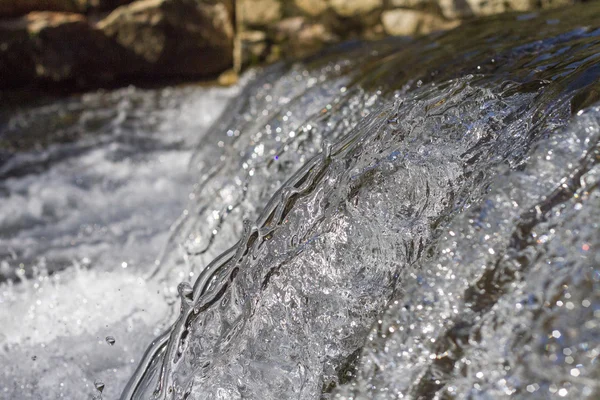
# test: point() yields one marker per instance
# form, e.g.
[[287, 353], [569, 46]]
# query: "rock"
[[287, 28], [403, 22], [374, 33], [259, 12], [301, 37], [254, 46], [455, 9], [311, 38], [353, 8], [56, 47], [12, 8], [174, 37], [228, 78], [312, 7], [103, 4], [411, 3], [149, 38]]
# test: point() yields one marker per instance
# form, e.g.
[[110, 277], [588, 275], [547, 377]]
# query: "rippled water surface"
[[402, 219]]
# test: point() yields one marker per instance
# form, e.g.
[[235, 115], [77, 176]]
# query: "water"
[[439, 240], [84, 212]]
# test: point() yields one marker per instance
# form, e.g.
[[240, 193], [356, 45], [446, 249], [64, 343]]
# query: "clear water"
[[421, 222]]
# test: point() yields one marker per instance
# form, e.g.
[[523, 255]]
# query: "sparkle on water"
[[421, 222]]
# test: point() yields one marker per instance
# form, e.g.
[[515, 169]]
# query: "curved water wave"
[[372, 220]]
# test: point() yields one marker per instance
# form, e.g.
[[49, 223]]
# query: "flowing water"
[[407, 219]]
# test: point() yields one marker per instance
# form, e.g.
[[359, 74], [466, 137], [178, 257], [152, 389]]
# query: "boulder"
[[174, 37], [354, 8], [56, 47], [145, 39]]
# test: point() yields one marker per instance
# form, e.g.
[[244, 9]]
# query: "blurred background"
[[90, 43]]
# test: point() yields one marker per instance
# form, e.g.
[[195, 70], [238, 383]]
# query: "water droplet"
[[99, 386], [186, 292]]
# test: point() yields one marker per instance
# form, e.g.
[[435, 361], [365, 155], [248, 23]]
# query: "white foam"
[[89, 227]]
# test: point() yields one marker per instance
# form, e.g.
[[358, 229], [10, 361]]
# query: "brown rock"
[[254, 46], [228, 78], [353, 8], [453, 9], [53, 47], [174, 37], [310, 39], [404, 22], [301, 37], [374, 33], [146, 38], [312, 7], [401, 22], [259, 12], [9, 8], [411, 3], [287, 28]]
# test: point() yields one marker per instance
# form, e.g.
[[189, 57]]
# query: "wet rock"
[[259, 12], [352, 8], [174, 37]]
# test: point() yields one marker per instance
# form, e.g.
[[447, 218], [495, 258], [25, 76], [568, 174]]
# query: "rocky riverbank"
[[96, 42]]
